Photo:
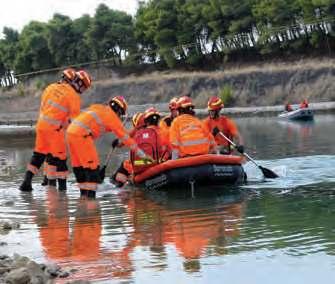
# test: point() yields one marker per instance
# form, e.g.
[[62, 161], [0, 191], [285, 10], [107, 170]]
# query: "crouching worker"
[[217, 124], [188, 134], [123, 173], [152, 140], [60, 102], [82, 132]]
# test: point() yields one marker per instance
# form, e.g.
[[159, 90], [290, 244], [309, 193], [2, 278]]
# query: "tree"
[[33, 52]]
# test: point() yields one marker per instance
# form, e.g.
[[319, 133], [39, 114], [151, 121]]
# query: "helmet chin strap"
[[214, 114]]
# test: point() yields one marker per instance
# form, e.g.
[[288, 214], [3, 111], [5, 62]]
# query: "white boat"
[[298, 114]]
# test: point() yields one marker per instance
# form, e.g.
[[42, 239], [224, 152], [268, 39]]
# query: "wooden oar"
[[266, 172]]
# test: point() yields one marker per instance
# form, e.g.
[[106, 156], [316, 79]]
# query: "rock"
[[18, 276]]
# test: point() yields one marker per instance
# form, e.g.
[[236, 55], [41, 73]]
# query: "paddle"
[[266, 172], [102, 172]]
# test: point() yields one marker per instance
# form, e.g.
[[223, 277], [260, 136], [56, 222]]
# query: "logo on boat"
[[221, 170], [156, 182]]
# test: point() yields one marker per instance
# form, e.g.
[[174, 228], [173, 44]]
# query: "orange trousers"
[[51, 141], [83, 152]]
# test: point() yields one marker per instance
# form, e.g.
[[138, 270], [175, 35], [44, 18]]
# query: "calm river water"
[[278, 231]]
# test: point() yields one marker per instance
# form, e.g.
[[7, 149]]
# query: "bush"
[[20, 89], [40, 84], [226, 95]]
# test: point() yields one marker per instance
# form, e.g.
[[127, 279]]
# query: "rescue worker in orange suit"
[[122, 174], [188, 135], [288, 107], [216, 123], [82, 132], [152, 140], [60, 102], [304, 104], [166, 121]]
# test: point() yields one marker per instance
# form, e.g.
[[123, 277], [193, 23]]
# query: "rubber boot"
[[87, 193], [45, 181], [62, 184], [52, 182], [26, 184]]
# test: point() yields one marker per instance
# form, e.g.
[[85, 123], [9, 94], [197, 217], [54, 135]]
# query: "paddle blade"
[[268, 173]]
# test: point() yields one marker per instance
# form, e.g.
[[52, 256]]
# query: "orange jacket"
[[225, 125], [189, 136], [98, 119], [59, 103]]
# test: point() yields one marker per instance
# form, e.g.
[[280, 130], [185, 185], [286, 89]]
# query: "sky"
[[18, 13]]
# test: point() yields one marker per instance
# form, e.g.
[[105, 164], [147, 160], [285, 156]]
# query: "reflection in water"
[[285, 225], [194, 228]]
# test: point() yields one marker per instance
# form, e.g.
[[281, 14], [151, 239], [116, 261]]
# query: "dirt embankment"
[[263, 85]]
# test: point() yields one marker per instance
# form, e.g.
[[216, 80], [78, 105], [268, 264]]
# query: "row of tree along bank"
[[170, 33]]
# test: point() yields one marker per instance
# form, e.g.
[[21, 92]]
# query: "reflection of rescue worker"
[[288, 107], [121, 175], [188, 135], [60, 102], [166, 121], [82, 132], [304, 104], [152, 140], [216, 123]]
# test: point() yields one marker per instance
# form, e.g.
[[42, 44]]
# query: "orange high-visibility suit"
[[59, 103], [87, 127], [225, 125], [190, 137]]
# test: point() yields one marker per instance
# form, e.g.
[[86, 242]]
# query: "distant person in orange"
[[304, 104], [122, 174], [81, 133], [152, 140], [60, 103], [188, 135], [216, 123], [166, 121], [288, 107]]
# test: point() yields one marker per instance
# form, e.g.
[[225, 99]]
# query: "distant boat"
[[298, 114]]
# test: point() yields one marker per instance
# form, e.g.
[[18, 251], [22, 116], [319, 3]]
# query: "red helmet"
[[68, 74], [173, 104], [138, 119], [215, 103], [150, 112], [185, 102], [120, 101], [85, 78]]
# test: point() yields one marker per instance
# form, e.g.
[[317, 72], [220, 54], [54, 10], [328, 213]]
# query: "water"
[[268, 231]]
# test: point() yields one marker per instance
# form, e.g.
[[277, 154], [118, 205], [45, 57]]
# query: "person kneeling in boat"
[[82, 132], [288, 107], [304, 104], [166, 121], [188, 134], [217, 124], [152, 140], [125, 170]]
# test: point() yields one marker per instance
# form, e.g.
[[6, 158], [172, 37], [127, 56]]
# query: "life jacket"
[[225, 125], [189, 136], [149, 141]]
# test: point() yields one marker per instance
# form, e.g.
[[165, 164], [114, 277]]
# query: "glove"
[[240, 149], [115, 143], [215, 131]]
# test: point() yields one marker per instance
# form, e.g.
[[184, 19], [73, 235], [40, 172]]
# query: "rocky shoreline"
[[22, 270]]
